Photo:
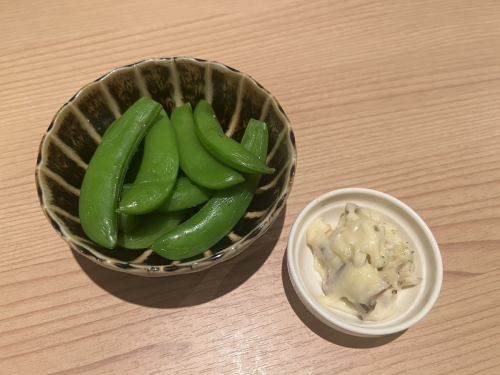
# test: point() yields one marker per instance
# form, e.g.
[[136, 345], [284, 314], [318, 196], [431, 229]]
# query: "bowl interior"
[[78, 126], [412, 303]]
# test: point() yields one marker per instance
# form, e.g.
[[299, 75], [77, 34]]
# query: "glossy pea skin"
[[149, 228], [158, 171], [195, 161], [221, 213], [223, 148], [186, 194], [106, 171]]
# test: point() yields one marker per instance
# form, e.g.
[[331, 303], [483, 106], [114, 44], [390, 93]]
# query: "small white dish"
[[412, 304]]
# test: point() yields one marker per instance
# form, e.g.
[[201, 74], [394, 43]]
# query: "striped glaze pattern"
[[77, 128]]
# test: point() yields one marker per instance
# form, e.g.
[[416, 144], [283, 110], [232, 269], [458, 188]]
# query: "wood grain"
[[400, 96]]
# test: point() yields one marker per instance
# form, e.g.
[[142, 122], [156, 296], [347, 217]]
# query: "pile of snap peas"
[[152, 211]]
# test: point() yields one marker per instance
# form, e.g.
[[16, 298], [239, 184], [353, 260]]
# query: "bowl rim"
[[176, 267], [330, 319]]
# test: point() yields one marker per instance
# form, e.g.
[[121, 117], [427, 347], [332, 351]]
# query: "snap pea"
[[105, 173], [221, 213], [186, 194], [223, 148], [158, 171], [195, 161], [150, 227]]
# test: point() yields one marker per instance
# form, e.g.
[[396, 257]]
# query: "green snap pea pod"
[[186, 194], [151, 226], [195, 161], [157, 173], [221, 213], [223, 148], [104, 176]]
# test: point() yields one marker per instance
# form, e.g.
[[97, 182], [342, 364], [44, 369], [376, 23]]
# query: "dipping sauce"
[[363, 263]]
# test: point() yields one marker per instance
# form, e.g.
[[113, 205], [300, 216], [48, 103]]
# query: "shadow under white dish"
[[412, 303]]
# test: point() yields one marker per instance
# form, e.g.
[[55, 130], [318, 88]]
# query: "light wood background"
[[400, 96]]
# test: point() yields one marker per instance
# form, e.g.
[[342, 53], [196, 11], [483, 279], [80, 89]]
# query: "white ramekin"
[[413, 303]]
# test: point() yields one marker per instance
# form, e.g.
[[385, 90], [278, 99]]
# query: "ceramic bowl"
[[412, 303], [78, 126]]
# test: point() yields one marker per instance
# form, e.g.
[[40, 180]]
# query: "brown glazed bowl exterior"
[[77, 128]]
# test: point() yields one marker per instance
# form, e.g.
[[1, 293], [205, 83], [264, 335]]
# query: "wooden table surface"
[[399, 96]]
